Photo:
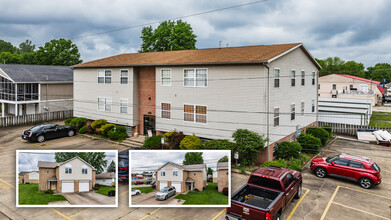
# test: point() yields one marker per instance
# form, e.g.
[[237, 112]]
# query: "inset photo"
[[66, 178], [180, 178]]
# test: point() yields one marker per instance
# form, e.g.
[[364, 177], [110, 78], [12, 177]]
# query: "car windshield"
[[331, 159], [375, 167], [36, 128], [133, 190], [164, 190]]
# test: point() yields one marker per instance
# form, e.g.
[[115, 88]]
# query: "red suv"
[[358, 168]]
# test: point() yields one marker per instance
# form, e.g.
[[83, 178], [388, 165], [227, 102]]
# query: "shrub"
[[68, 121], [295, 164], [83, 129], [191, 143], [106, 128], [272, 163], [328, 129], [96, 188], [49, 191], [225, 191], [78, 122], [288, 149], [248, 144], [320, 133], [97, 185], [222, 144], [153, 142], [117, 133], [98, 123], [283, 162], [173, 139], [309, 143], [304, 158]]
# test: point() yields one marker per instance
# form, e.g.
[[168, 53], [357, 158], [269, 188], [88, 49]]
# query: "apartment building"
[[269, 89]]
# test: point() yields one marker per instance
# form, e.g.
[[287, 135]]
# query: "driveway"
[[149, 199], [89, 198]]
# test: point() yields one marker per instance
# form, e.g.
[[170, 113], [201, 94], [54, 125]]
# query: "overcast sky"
[[152, 160], [28, 161], [357, 30]]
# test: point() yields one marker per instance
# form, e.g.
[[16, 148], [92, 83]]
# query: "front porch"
[[52, 183], [189, 184]]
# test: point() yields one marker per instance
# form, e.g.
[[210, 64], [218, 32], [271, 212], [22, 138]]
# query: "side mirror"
[[332, 163]]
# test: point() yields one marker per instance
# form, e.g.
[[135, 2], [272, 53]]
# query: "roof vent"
[[220, 44]]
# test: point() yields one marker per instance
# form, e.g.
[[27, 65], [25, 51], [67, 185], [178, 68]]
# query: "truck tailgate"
[[240, 211]]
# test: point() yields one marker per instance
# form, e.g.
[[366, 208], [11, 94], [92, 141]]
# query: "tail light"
[[268, 216], [124, 168]]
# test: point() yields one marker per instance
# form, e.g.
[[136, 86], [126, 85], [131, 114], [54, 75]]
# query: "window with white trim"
[[104, 76], [276, 116], [84, 171], [124, 76], [313, 77], [195, 78], [166, 110], [293, 77], [201, 114], [68, 168], [313, 105], [302, 108], [293, 111], [162, 173], [195, 113], [302, 77], [165, 77], [123, 106], [104, 104], [175, 172], [276, 78]]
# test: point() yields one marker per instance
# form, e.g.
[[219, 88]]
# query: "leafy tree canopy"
[[95, 159], [111, 167], [333, 65], [210, 171], [7, 47], [193, 158], [59, 52], [169, 35], [224, 159], [26, 47], [379, 72]]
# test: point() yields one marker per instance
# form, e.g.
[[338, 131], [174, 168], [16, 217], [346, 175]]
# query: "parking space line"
[[41, 146], [372, 194], [60, 214], [298, 203], [218, 215], [8, 174], [78, 213], [359, 210], [329, 204], [124, 192], [3, 181], [149, 214]]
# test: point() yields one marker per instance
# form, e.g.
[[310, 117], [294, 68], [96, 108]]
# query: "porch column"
[[16, 100], [16, 109], [2, 109]]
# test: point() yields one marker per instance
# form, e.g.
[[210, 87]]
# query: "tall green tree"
[[95, 159], [223, 159], [193, 158], [111, 167], [58, 52], [379, 72], [7, 47], [335, 65], [169, 35], [248, 144], [26, 47], [210, 171]]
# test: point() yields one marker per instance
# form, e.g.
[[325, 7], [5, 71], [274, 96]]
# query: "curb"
[[318, 154]]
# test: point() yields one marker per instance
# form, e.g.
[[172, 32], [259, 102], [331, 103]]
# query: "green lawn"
[[29, 195], [209, 196], [144, 189], [381, 119], [105, 189]]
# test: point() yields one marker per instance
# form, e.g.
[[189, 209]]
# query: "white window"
[[302, 108], [302, 77], [104, 104], [313, 105], [162, 173], [276, 116], [313, 77], [104, 76], [293, 113], [189, 113], [84, 171], [123, 106], [201, 114], [68, 168], [276, 78], [293, 77], [175, 172], [124, 76], [195, 113], [195, 78], [166, 77], [292, 138], [166, 110]]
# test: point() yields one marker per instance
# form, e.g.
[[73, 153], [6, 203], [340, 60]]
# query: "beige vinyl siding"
[[76, 171]]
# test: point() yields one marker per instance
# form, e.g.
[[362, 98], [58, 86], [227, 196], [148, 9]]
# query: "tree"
[[26, 47], [7, 47], [336, 65], [379, 72], [193, 158], [58, 52], [249, 144], [169, 35], [95, 159], [210, 171], [223, 159], [111, 167]]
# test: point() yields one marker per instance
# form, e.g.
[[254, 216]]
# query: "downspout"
[[268, 109]]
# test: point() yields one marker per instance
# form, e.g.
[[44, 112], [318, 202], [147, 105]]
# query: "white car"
[[135, 192]]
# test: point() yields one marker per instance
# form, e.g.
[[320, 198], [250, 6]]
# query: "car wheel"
[[165, 198], [41, 138], [320, 172], [365, 183], [137, 193], [71, 133], [299, 192], [278, 216]]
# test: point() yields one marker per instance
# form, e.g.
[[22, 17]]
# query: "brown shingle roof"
[[45, 164], [228, 55], [194, 167], [109, 175], [222, 165]]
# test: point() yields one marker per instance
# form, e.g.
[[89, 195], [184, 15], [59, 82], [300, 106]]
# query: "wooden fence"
[[348, 129], [34, 118]]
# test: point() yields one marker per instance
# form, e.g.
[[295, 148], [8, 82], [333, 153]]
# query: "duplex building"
[[269, 89], [222, 175], [182, 177], [28, 177], [105, 179], [31, 89], [73, 175]]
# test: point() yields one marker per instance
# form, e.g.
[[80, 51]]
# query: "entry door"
[[149, 124]]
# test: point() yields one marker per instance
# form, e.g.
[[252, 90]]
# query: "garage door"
[[177, 186], [162, 185], [68, 187], [84, 186]]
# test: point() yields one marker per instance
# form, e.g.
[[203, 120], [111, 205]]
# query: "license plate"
[[246, 211]]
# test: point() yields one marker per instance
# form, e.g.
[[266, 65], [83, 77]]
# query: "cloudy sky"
[[152, 160], [357, 30], [28, 161]]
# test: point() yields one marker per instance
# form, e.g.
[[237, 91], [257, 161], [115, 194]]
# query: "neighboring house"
[[28, 177], [106, 179], [345, 111], [154, 176], [73, 175], [215, 176], [147, 175], [350, 87], [222, 175], [182, 177], [208, 92], [32, 89]]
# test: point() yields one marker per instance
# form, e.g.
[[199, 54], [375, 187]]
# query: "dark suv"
[[357, 168], [123, 165]]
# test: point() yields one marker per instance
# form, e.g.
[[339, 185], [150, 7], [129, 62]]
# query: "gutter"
[[268, 109]]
